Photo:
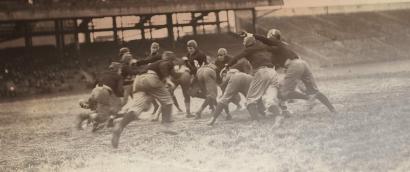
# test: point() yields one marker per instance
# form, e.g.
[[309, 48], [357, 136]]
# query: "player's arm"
[[166, 68], [120, 86], [224, 83], [260, 38], [204, 59], [150, 59], [235, 59], [245, 54], [133, 70], [169, 82], [266, 41], [201, 59]]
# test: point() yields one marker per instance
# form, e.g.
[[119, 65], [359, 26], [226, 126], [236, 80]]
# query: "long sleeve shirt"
[[113, 80], [280, 51], [163, 68], [128, 73], [242, 65], [257, 54], [150, 59], [198, 56]]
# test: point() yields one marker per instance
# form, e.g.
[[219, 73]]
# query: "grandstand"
[[33, 19]]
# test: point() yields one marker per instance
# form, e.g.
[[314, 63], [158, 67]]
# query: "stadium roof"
[[11, 10]]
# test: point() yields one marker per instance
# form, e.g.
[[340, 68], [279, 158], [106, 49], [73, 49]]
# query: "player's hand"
[[83, 104], [243, 34], [169, 83], [224, 71]]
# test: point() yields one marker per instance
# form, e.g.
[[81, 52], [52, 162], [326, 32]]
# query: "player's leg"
[[210, 88], [140, 103], [185, 82], [311, 87], [253, 96], [233, 88], [156, 113], [165, 100], [287, 88], [127, 93], [265, 79], [236, 100]]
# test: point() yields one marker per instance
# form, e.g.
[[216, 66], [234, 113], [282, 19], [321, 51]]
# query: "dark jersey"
[[199, 56], [257, 54], [242, 65], [112, 80], [163, 68], [150, 59], [220, 64], [127, 74], [280, 51]]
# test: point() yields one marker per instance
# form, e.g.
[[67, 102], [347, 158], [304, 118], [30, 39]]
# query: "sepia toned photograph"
[[204, 85]]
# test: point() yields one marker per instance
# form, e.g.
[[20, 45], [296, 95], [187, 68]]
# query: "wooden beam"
[[28, 38], [193, 23], [170, 27], [114, 28], [218, 26], [253, 20], [71, 31]]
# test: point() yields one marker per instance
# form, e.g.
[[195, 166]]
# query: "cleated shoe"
[[110, 123], [96, 127], [275, 110], [311, 102], [198, 116], [212, 121], [190, 115], [286, 113]]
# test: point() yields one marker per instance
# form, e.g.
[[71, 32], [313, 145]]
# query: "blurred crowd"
[[44, 72], [19, 77]]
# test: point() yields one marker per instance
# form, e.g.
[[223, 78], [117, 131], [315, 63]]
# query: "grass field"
[[371, 132]]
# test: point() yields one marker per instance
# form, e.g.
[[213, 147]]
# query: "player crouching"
[[104, 100], [151, 84]]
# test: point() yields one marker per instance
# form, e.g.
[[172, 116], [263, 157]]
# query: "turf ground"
[[370, 133]]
